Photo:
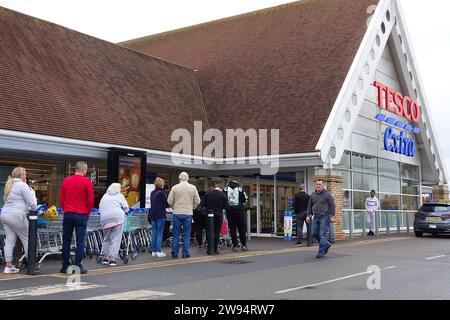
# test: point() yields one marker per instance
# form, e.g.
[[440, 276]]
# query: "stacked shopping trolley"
[[135, 238]]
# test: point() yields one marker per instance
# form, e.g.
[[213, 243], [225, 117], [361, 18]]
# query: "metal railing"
[[386, 222]]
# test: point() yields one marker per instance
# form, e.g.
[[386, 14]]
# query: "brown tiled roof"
[[278, 68], [59, 82]]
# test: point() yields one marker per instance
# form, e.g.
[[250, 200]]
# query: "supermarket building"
[[337, 78]]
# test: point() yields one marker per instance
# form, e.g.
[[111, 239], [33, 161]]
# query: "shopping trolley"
[[135, 237], [49, 238], [94, 235]]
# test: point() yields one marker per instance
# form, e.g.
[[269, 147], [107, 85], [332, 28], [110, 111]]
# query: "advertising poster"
[[130, 178]]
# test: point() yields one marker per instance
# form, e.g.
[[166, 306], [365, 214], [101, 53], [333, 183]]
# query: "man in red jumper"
[[77, 201]]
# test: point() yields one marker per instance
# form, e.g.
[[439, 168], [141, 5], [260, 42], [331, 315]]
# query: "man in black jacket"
[[200, 220], [301, 201], [235, 214], [215, 201]]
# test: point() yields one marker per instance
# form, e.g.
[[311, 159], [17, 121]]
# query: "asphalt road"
[[410, 268]]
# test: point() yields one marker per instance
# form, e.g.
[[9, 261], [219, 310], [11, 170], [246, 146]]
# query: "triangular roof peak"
[[385, 28]]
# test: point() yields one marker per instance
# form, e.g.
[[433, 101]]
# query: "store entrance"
[[44, 178]]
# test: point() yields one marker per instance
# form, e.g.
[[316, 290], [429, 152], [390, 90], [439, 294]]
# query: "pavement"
[[398, 267]]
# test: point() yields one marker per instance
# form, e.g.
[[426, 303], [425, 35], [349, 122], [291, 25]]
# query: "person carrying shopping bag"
[[113, 208], [19, 199]]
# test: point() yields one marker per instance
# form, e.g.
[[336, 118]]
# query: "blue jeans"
[[181, 221], [331, 232], [78, 222], [319, 231], [157, 234]]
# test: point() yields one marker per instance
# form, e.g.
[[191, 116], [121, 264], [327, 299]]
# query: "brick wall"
[[334, 181], [441, 194]]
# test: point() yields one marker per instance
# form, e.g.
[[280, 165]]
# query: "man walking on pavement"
[[77, 201], [301, 201], [215, 202], [183, 199], [322, 207], [372, 206], [235, 214]]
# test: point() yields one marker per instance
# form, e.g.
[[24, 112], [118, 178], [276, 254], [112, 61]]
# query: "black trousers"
[[301, 219], [200, 222], [218, 219], [236, 220]]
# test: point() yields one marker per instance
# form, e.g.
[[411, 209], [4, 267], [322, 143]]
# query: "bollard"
[[309, 239], [249, 230], [211, 233], [32, 243]]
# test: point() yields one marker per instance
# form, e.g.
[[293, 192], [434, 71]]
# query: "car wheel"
[[419, 234]]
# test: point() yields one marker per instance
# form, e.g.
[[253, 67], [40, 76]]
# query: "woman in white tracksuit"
[[19, 199], [113, 208], [372, 206]]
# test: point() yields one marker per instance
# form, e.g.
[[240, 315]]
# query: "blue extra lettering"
[[400, 143]]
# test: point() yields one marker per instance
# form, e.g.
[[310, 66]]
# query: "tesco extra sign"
[[395, 102], [404, 106]]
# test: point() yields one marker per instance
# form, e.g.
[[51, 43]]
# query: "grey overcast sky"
[[113, 20]]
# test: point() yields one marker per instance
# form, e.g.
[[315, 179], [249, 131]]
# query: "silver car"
[[432, 218]]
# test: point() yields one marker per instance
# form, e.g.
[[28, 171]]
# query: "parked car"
[[433, 218]]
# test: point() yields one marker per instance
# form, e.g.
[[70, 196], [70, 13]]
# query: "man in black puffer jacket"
[[235, 214]]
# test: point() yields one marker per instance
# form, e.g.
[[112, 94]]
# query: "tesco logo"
[[396, 102]]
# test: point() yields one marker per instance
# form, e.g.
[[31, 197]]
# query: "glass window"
[[358, 220], [389, 202], [366, 182], [410, 172], [5, 171], [347, 201], [346, 224], [347, 176], [345, 162], [389, 168], [410, 203], [359, 200], [363, 163], [389, 185], [410, 187]]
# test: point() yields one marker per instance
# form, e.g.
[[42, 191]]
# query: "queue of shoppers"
[[77, 201]]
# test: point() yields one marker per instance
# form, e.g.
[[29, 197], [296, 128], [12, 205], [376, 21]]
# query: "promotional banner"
[[128, 168], [130, 178], [288, 225]]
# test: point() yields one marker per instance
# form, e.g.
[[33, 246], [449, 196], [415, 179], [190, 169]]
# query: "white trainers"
[[160, 254], [12, 269], [154, 254]]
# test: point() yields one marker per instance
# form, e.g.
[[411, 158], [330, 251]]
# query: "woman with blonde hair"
[[19, 199], [158, 200], [113, 208]]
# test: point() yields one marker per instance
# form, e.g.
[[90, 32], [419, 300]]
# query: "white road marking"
[[133, 295], [331, 281], [46, 290], [436, 257]]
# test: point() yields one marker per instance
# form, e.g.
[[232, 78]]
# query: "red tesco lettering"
[[403, 105]]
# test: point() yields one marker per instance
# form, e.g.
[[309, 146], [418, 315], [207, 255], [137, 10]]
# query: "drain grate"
[[235, 261]]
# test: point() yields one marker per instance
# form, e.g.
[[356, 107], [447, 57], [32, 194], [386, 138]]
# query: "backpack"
[[233, 197]]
